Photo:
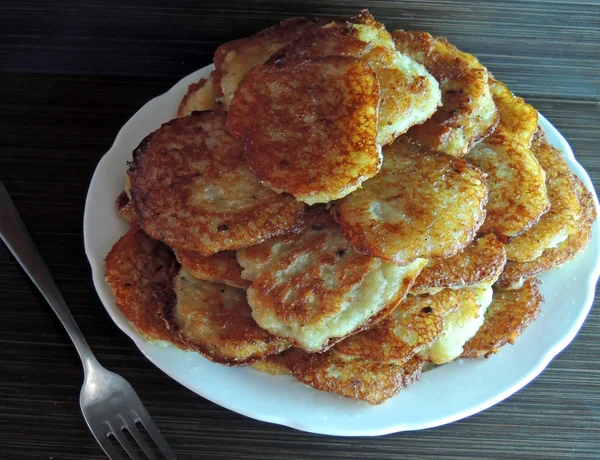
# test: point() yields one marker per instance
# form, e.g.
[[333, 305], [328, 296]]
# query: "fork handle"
[[17, 239]]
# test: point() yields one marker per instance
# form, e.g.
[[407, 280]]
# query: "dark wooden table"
[[72, 72]]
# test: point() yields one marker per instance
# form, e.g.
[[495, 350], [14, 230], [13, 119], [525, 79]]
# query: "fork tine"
[[135, 434], [127, 447], [107, 446], [154, 433]]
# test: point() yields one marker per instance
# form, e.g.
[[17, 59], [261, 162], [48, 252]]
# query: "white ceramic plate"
[[446, 394]]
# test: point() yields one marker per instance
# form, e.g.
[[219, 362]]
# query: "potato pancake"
[[216, 321], [314, 289], [138, 273], [560, 221], [371, 381], [515, 273], [468, 113], [516, 182], [516, 116], [192, 189], [309, 126], [506, 318], [421, 205]]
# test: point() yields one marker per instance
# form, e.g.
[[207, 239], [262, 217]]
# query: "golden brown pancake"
[[138, 273], [468, 113], [561, 220], [413, 325], [216, 321], [221, 267], [518, 195], [516, 116], [371, 381], [505, 319], [516, 183], [200, 96], [408, 94], [233, 60], [314, 289], [516, 272], [478, 265], [309, 126], [421, 204], [192, 189]]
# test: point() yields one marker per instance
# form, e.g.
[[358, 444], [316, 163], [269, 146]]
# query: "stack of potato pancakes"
[[347, 206]]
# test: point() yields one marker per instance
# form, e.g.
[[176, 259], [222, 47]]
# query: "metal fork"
[[109, 404]]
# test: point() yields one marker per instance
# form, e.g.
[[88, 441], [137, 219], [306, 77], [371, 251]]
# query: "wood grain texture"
[[72, 72]]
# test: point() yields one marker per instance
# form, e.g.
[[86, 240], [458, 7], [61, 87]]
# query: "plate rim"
[[543, 361]]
